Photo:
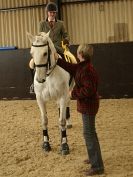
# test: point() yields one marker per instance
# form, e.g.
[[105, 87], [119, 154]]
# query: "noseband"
[[48, 64]]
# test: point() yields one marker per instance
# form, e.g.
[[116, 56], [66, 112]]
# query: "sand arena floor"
[[21, 154]]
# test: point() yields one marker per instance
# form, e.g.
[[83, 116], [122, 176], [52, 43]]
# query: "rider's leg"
[[32, 85], [32, 71]]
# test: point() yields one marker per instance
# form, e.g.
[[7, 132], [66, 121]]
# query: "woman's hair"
[[85, 50]]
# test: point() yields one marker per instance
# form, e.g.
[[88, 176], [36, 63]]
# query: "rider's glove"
[[65, 42]]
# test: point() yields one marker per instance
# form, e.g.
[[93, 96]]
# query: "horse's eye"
[[45, 53]]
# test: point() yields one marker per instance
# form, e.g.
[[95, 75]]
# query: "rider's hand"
[[56, 56], [65, 42], [70, 93]]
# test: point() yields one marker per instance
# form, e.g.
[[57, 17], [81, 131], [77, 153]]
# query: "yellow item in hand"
[[69, 57]]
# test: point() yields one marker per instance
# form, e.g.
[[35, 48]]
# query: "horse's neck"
[[53, 51]]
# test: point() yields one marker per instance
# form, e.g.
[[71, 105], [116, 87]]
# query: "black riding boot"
[[32, 85]]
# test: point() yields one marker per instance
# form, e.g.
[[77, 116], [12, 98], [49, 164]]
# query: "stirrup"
[[32, 89]]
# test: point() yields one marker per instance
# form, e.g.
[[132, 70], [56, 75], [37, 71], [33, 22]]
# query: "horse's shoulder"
[[62, 74]]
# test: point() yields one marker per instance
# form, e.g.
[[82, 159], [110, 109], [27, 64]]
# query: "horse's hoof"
[[64, 149], [46, 146], [69, 126]]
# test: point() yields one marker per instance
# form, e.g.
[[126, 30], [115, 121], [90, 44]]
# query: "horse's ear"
[[31, 37], [47, 34]]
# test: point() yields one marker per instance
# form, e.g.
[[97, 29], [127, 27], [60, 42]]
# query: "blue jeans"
[[92, 143]]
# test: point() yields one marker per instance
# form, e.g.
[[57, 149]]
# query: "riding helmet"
[[51, 6]]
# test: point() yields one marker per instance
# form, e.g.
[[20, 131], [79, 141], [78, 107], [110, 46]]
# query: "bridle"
[[48, 64]]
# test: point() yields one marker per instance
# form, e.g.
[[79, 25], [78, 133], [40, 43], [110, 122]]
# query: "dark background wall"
[[114, 64], [14, 74]]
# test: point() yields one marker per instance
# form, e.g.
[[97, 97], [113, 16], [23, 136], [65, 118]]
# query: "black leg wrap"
[[46, 146], [63, 133], [67, 113], [45, 132], [64, 149]]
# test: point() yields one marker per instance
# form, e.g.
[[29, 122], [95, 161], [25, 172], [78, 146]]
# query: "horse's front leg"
[[44, 121], [62, 122]]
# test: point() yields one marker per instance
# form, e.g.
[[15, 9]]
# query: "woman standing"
[[86, 93]]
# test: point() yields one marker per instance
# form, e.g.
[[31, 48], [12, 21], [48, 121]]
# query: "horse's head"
[[42, 51]]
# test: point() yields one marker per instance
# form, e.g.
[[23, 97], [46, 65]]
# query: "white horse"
[[50, 82]]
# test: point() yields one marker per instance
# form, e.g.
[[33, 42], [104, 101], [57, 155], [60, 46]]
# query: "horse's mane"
[[51, 45]]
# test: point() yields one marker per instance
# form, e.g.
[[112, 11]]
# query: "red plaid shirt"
[[85, 89]]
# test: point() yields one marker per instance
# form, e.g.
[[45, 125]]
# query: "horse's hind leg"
[[62, 121], [68, 119], [44, 121]]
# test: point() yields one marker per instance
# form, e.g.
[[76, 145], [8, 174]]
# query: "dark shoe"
[[32, 89], [92, 172], [86, 161]]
